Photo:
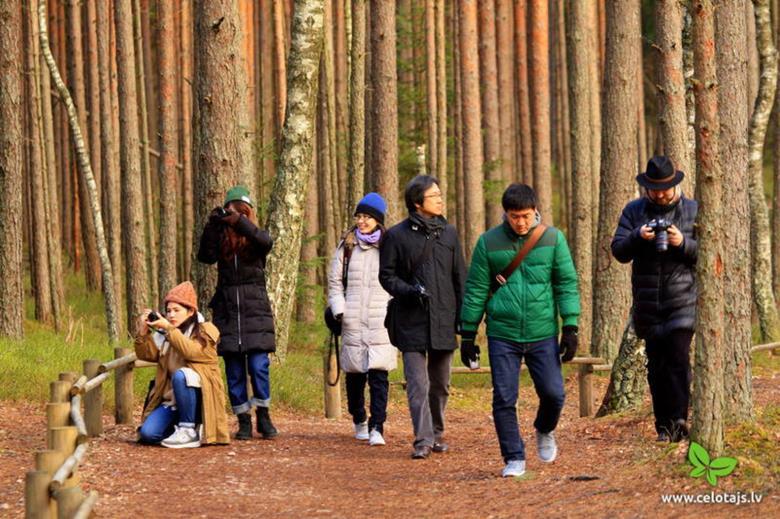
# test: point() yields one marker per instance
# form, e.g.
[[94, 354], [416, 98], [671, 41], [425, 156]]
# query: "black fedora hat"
[[661, 174]]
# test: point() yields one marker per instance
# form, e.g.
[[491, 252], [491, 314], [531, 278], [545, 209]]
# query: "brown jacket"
[[200, 354]]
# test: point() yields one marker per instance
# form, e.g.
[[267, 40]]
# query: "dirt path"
[[608, 467]]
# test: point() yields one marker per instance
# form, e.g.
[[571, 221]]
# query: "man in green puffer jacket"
[[522, 320]]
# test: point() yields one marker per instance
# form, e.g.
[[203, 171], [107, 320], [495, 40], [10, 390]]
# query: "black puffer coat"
[[664, 283], [420, 327], [240, 306]]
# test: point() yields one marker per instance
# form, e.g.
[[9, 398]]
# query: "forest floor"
[[606, 467]]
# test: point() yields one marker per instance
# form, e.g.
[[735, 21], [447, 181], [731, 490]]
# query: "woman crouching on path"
[[186, 406]]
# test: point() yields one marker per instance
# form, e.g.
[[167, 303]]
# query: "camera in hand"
[[660, 227], [153, 316], [222, 212]]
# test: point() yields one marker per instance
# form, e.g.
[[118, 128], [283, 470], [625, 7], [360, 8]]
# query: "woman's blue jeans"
[[236, 367], [187, 412]]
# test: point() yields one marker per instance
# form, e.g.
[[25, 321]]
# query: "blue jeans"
[[544, 364], [236, 366], [159, 424]]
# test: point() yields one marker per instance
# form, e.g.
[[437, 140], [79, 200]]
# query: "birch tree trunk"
[[285, 218], [707, 402], [628, 379], [611, 294], [763, 295], [733, 112], [86, 171], [11, 139]]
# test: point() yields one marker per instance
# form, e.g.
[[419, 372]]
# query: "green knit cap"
[[238, 193]]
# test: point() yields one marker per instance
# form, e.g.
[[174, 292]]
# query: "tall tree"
[[611, 292], [524, 146], [539, 81], [169, 144], [77, 84], [134, 241], [441, 100], [187, 80], [94, 92], [579, 94], [707, 401], [285, 217], [221, 145], [11, 138], [733, 112], [384, 108], [471, 110], [763, 295], [280, 66], [491, 136], [357, 107], [505, 55], [430, 85], [776, 154]]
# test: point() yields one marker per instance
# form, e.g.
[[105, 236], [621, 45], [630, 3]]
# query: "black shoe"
[[244, 427], [440, 447], [421, 452], [663, 436], [679, 431], [264, 425]]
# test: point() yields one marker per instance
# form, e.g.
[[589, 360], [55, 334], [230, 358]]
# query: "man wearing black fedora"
[[656, 233]]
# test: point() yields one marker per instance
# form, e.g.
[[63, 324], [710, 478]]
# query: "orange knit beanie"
[[184, 294]]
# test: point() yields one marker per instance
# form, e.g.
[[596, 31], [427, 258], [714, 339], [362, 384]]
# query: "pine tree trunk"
[[268, 109], [579, 94], [357, 106], [86, 172], [188, 188], [94, 94], [285, 219], [460, 204], [672, 116], [707, 399], [628, 379], [441, 100], [525, 142], [280, 57], [753, 65], [776, 170], [39, 250], [341, 100], [384, 108], [505, 56], [471, 112], [687, 46], [328, 82], [763, 295], [134, 239], [77, 83], [491, 136], [611, 294], [733, 112], [430, 86], [596, 90], [308, 291], [539, 82]]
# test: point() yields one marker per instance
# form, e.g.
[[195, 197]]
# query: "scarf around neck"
[[370, 238], [434, 224]]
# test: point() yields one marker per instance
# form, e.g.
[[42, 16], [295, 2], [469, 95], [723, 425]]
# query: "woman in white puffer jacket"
[[358, 300]]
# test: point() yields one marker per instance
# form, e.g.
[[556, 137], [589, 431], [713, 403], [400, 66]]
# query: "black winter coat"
[[664, 283], [240, 307], [423, 326]]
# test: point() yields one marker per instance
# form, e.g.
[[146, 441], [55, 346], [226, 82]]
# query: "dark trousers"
[[427, 390], [544, 365], [377, 388], [669, 376]]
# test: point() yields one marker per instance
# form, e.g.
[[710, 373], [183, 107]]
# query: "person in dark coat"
[[422, 268], [663, 279], [240, 307]]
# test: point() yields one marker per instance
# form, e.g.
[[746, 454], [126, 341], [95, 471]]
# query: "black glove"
[[421, 293], [469, 352], [568, 343]]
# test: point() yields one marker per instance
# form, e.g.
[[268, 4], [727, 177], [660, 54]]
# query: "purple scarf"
[[371, 238]]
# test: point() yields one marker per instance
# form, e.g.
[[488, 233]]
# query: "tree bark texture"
[[384, 108], [441, 101], [86, 171], [612, 288], [539, 83], [628, 379], [474, 203], [280, 64], [186, 68], [524, 141], [505, 56], [733, 112], [430, 85], [707, 402], [357, 107], [286, 211], [763, 295]]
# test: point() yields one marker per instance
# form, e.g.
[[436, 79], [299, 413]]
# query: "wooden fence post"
[[69, 376], [59, 391], [68, 501], [123, 389], [63, 440], [57, 415], [93, 401], [332, 393], [36, 495], [586, 390]]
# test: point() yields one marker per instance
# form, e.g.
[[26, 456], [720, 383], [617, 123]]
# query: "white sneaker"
[[361, 431], [182, 438], [375, 438], [514, 469], [546, 447]]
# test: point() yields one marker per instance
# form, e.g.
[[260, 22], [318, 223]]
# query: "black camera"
[[660, 227], [222, 212], [153, 316]]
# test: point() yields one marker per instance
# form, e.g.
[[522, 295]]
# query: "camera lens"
[[662, 241]]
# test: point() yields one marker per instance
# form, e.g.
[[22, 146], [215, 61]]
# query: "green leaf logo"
[[712, 470]]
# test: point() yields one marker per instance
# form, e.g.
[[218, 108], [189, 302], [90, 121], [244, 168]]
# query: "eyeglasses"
[[363, 217], [435, 195]]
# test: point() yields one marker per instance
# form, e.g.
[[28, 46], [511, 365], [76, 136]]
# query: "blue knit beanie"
[[374, 205]]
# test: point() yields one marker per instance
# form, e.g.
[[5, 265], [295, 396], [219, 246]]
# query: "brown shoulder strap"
[[521, 254]]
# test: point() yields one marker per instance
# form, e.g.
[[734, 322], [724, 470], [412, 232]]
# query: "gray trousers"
[[427, 388]]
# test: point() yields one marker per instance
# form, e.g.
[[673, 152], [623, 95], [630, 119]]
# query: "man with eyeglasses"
[[422, 268], [522, 277]]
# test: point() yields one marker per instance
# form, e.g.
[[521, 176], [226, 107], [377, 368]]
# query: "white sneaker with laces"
[[361, 431], [182, 438], [546, 447], [375, 438], [514, 469]]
